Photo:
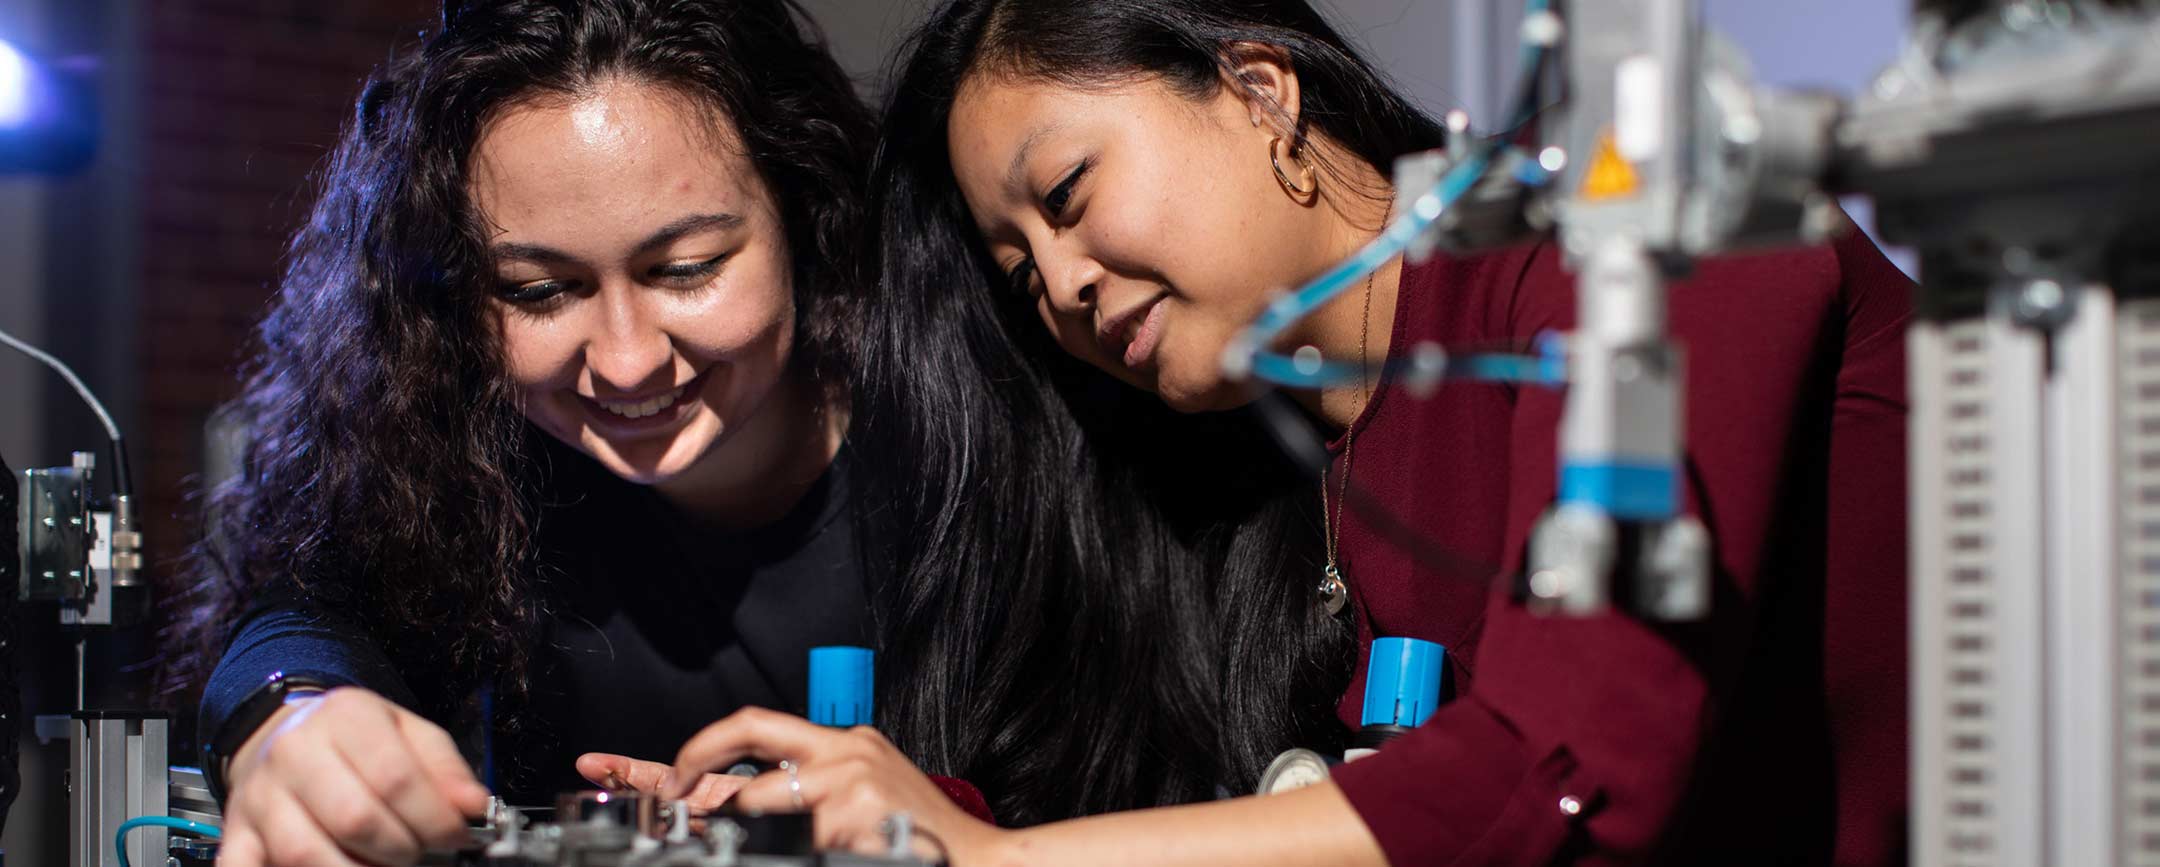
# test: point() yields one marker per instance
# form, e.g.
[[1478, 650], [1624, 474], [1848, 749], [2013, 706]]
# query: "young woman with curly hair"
[[547, 430]]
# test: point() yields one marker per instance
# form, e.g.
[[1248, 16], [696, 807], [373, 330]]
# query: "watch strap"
[[253, 711]]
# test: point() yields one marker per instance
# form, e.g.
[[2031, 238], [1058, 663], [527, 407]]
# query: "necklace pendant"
[[1334, 594]]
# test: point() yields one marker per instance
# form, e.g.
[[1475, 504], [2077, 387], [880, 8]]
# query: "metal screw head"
[[1570, 805], [2040, 302], [1548, 583], [2044, 294]]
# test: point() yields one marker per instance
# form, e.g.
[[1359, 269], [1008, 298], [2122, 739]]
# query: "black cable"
[[123, 484]]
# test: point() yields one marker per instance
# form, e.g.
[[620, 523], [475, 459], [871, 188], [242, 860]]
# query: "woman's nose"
[[1071, 283], [628, 351]]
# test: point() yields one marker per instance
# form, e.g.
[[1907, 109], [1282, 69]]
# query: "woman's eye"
[[535, 292], [689, 270], [1022, 277], [1061, 195]]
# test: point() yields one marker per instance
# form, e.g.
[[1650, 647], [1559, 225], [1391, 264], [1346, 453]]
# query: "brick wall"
[[240, 100]]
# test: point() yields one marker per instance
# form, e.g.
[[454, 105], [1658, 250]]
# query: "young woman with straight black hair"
[[1080, 203]]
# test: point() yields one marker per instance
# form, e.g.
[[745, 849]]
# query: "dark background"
[[149, 269]]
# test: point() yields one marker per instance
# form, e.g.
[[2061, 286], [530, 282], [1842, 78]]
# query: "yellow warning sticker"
[[1610, 176]]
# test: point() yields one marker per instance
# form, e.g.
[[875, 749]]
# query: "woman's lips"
[[1141, 351], [643, 416]]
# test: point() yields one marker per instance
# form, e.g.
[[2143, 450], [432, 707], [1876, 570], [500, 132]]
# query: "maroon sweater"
[[1772, 733]]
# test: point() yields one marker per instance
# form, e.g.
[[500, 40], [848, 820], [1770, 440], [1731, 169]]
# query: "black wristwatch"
[[253, 711]]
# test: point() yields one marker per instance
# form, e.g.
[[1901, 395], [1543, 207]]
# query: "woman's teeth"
[[643, 408]]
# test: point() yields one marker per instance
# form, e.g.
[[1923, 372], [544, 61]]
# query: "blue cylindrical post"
[[842, 685], [1403, 686]]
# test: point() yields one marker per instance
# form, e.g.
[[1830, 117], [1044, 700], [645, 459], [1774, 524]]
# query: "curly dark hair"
[[387, 471]]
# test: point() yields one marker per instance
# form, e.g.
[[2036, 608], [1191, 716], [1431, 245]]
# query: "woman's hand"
[[617, 773], [346, 778], [853, 781]]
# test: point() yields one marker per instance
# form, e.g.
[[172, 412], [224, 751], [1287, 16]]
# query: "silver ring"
[[794, 782], [899, 830]]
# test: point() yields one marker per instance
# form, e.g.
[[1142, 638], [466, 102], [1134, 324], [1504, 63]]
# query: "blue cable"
[[1248, 353], [1295, 372], [1396, 238], [185, 826]]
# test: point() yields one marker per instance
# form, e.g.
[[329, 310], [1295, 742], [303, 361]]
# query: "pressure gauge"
[[1294, 769]]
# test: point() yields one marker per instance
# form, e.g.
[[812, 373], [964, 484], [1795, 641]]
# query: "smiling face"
[[1148, 224], [643, 289]]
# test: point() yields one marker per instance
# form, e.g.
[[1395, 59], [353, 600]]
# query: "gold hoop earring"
[[1282, 177]]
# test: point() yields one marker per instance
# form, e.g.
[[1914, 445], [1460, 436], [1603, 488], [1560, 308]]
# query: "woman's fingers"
[[854, 798], [439, 757], [350, 775], [778, 791], [753, 732], [714, 790], [239, 847], [340, 802], [617, 772], [408, 765], [369, 746], [290, 837], [863, 826]]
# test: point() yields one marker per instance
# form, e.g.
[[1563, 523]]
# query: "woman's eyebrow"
[[669, 233], [1014, 172], [530, 253], [662, 237]]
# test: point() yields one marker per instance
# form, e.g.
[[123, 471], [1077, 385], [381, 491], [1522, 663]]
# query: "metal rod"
[[1471, 21], [82, 672]]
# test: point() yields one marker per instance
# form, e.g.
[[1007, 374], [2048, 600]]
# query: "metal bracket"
[[55, 534]]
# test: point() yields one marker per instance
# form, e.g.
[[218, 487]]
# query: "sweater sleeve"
[[1865, 598], [965, 796], [1582, 737], [284, 633], [1575, 724]]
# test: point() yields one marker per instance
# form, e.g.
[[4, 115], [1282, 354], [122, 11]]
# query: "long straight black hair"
[[1101, 604]]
